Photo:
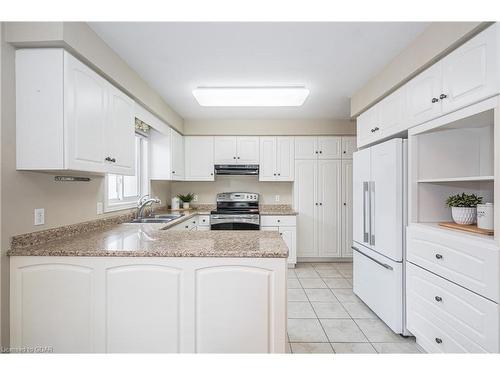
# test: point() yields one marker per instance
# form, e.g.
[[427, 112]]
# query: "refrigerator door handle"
[[372, 212], [366, 197], [373, 259]]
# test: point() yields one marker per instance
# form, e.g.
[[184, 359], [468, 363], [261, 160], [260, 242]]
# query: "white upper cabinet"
[[236, 150], [160, 155], [248, 150], [348, 147], [322, 147], [276, 159], [225, 149], [177, 142], [306, 148], [470, 73], [466, 76], [199, 158], [70, 118], [422, 96]]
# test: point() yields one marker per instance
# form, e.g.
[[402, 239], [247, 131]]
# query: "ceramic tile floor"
[[325, 316]]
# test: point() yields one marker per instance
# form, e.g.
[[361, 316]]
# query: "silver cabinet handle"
[[438, 299], [372, 212], [438, 340], [373, 259], [439, 256], [365, 192]]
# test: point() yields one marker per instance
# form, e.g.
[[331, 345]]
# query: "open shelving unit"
[[451, 155]]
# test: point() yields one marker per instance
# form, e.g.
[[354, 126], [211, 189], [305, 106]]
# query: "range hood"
[[237, 169]]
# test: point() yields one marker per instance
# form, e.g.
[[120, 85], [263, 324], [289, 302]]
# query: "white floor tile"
[[295, 295], [335, 283], [324, 266], [311, 347], [353, 348], [313, 283], [398, 347], [329, 310], [342, 330], [300, 310], [358, 310], [329, 273], [346, 273], [306, 273], [303, 265], [291, 274], [305, 330], [377, 331], [346, 295], [293, 284], [320, 295]]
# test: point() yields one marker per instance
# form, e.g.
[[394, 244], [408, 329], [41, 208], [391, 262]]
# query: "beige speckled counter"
[[145, 240], [277, 209]]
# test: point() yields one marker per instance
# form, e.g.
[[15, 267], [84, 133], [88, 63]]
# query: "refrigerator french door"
[[379, 210]]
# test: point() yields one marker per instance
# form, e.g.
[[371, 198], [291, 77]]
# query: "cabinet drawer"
[[204, 220], [465, 260], [270, 221], [185, 225], [458, 310]]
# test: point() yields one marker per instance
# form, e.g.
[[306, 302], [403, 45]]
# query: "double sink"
[[157, 219]]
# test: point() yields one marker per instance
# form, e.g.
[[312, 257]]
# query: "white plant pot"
[[185, 205], [464, 215]]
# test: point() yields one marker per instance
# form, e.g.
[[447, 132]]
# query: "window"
[[122, 192]]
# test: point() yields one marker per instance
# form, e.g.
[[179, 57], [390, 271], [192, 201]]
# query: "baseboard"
[[323, 259]]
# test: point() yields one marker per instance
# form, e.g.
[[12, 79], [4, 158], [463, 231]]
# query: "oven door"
[[234, 222]]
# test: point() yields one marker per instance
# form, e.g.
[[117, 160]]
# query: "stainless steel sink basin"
[[157, 219]]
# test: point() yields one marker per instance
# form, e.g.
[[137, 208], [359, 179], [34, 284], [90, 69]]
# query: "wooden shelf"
[[456, 179], [478, 236]]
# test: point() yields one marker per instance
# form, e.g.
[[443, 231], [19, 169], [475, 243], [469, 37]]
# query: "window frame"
[[143, 188]]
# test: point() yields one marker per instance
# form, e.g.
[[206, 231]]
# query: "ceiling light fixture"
[[285, 96]]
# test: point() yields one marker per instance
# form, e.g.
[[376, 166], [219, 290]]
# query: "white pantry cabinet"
[[276, 159], [199, 158], [70, 118], [323, 147], [317, 199], [148, 305], [348, 146], [347, 186], [236, 150]]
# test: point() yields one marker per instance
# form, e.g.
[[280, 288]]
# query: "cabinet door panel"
[[306, 147], [305, 202], [177, 155], [243, 294], [55, 304], [346, 208], [392, 114], [160, 155], [199, 156], [225, 150], [366, 124], [285, 159], [361, 177], [421, 91], [288, 235], [329, 147], [348, 147], [120, 133], [248, 150], [143, 304], [470, 73], [267, 168], [86, 103], [329, 213]]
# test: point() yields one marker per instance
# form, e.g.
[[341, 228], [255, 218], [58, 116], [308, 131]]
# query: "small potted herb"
[[464, 207], [185, 199]]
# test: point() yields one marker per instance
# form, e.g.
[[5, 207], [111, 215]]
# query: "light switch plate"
[[277, 198], [195, 198], [39, 216], [99, 208]]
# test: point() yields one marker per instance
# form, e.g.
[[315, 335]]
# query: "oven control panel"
[[237, 197]]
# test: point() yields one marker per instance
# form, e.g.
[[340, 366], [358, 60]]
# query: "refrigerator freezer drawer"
[[378, 281]]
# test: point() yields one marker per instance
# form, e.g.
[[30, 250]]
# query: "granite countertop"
[[277, 209], [145, 240]]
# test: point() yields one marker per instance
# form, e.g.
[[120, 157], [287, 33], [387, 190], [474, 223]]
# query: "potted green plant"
[[185, 199], [464, 207]]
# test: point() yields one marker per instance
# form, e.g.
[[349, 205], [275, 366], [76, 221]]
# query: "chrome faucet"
[[143, 203]]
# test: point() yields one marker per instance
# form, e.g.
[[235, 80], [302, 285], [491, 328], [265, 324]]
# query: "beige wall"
[[207, 191], [434, 42], [269, 127], [82, 41]]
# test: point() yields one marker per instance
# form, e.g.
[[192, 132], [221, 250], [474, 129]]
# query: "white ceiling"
[[332, 59]]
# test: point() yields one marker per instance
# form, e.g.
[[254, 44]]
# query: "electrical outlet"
[[277, 197], [99, 208], [195, 198], [39, 216]]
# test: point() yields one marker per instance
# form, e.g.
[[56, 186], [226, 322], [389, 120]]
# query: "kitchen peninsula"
[[128, 287]]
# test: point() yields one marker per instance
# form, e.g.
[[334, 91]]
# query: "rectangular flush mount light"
[[287, 96]]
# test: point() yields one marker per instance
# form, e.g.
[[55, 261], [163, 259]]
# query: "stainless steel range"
[[236, 211]]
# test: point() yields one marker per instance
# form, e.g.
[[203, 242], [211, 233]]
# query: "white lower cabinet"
[[287, 228], [152, 304], [448, 318]]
